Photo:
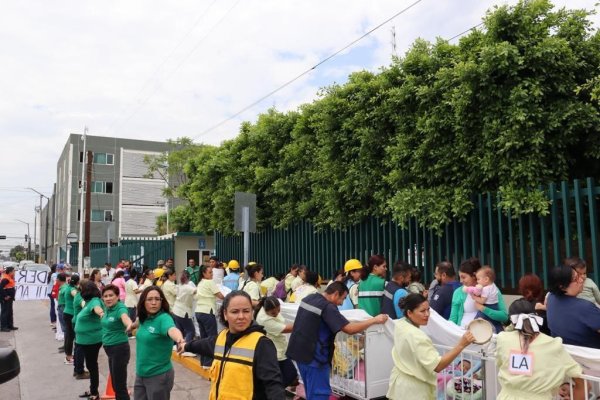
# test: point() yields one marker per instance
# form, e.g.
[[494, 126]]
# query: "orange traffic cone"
[[109, 393]]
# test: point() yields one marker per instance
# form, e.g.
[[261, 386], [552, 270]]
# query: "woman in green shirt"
[[88, 331], [464, 307], [115, 325], [78, 303], [154, 345], [370, 290], [68, 292]]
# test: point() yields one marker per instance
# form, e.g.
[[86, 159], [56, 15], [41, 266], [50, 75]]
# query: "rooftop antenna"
[[393, 41]]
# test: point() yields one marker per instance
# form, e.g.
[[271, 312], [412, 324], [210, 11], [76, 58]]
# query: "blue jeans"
[[497, 325], [132, 313], [316, 381], [61, 317], [208, 328]]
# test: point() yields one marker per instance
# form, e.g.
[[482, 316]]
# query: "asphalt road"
[[45, 376]]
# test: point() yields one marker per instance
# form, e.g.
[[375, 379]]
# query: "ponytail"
[[268, 303]]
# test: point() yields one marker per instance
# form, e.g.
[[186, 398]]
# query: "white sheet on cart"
[[446, 333]]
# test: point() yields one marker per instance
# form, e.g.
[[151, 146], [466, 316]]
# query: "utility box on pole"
[[245, 218]]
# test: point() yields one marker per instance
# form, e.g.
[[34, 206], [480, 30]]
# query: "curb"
[[191, 363]]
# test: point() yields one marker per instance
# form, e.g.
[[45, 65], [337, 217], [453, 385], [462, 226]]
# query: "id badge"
[[520, 363]]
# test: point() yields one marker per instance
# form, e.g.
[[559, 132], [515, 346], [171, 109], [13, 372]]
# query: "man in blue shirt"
[[441, 298], [312, 340]]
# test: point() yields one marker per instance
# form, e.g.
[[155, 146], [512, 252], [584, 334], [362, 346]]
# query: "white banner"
[[31, 285]]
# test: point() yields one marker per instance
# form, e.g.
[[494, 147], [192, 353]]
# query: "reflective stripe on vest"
[[388, 295], [231, 373], [310, 308], [377, 293]]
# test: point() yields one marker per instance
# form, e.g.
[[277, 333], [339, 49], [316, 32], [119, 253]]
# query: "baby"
[[489, 294], [590, 290], [489, 291]]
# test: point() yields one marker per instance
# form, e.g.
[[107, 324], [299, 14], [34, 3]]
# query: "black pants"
[[52, 309], [69, 334], [186, 326], [208, 328], [289, 374], [118, 358], [6, 315], [78, 359], [90, 353]]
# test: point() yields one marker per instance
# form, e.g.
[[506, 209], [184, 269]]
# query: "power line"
[[323, 61], [465, 31], [158, 85], [164, 61]]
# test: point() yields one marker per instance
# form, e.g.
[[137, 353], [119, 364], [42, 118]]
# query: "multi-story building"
[[124, 200]]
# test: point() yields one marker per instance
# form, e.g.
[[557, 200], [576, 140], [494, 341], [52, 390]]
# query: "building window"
[[98, 215], [100, 187], [100, 158], [104, 158]]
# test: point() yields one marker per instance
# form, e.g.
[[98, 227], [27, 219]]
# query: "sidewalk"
[[44, 376]]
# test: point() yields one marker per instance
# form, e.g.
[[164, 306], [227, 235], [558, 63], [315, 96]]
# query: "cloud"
[[157, 70]]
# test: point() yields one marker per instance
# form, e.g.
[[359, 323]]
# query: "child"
[[268, 315], [590, 290], [489, 293]]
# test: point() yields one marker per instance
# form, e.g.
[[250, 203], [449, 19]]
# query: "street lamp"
[[46, 234], [28, 239]]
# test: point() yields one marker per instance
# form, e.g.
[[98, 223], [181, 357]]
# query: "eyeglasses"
[[151, 299]]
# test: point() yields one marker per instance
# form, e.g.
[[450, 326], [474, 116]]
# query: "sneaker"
[[69, 362], [85, 375], [14, 328], [188, 354], [131, 337]]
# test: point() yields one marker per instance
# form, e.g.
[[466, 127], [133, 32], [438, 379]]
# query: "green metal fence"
[[139, 251], [513, 246]]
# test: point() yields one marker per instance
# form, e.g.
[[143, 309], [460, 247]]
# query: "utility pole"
[[83, 184], [28, 239], [88, 205], [35, 233], [46, 234]]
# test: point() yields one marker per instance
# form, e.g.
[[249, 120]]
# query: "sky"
[[156, 70]]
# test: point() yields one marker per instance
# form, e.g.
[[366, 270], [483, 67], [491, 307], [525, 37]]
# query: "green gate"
[[140, 251], [513, 246]]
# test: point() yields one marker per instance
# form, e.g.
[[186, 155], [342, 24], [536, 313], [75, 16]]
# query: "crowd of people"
[[252, 358]]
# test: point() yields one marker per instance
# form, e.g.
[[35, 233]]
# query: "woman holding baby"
[[468, 303]]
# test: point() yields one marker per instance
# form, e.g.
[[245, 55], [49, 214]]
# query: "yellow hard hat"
[[352, 264], [233, 264]]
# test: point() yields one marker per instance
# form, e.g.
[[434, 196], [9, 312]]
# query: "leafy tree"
[[18, 253], [510, 107]]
